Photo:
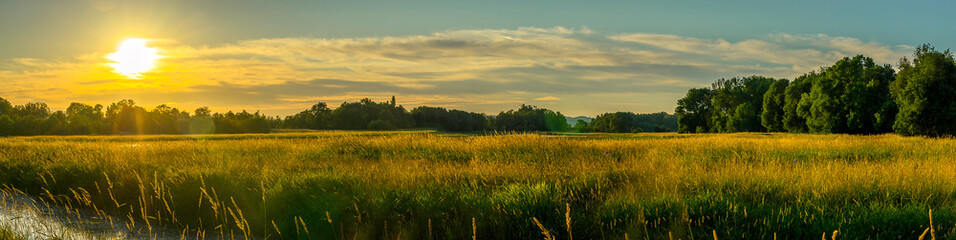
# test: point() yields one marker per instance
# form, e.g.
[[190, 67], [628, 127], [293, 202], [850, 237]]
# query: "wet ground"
[[36, 219]]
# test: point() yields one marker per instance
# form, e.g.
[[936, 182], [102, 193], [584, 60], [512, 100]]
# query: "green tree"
[[461, 121], [56, 124], [30, 119], [618, 122], [694, 111], [531, 118], [738, 103], [852, 96], [628, 122], [380, 125], [556, 122], [317, 117], [167, 120], [33, 109], [240, 122], [127, 118], [358, 115], [5, 107], [7, 126], [657, 122], [869, 104], [202, 112], [792, 121], [116, 107], [201, 122], [85, 119], [428, 116], [774, 101], [925, 90], [582, 126]]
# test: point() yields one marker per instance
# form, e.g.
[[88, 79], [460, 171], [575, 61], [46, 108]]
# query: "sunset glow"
[[133, 58], [582, 58]]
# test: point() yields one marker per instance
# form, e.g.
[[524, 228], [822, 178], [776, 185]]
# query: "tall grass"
[[7, 233], [421, 185]]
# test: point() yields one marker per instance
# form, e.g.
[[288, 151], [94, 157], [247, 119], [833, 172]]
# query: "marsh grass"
[[7, 233], [387, 185]]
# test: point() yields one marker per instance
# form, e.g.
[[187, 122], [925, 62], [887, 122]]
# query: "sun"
[[133, 57]]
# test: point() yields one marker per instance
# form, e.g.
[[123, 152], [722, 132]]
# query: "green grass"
[[7, 233], [387, 185]]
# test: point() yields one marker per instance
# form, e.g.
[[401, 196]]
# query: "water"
[[36, 219]]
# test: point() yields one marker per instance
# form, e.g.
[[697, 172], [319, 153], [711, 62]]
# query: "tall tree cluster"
[[729, 105], [925, 91], [364, 114], [854, 96], [738, 103], [319, 116], [530, 118], [449, 120], [694, 111]]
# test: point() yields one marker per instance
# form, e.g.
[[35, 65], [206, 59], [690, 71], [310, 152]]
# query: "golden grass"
[[653, 185]]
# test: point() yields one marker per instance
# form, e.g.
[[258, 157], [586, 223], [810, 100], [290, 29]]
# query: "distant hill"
[[574, 120]]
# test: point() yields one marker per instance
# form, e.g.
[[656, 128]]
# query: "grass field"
[[423, 185]]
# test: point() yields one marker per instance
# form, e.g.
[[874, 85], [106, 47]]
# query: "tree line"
[[125, 117], [527, 118], [854, 96], [122, 117], [369, 115]]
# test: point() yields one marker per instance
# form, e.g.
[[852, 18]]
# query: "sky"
[[577, 57]]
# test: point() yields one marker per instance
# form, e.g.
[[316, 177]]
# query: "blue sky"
[[645, 53]]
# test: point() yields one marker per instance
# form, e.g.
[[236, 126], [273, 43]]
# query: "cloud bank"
[[573, 70]]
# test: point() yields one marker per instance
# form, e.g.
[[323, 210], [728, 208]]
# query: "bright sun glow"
[[132, 58]]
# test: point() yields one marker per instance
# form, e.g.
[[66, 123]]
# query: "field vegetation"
[[424, 185]]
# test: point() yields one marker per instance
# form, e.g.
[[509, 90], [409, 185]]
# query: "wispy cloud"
[[548, 99], [479, 70], [799, 52]]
